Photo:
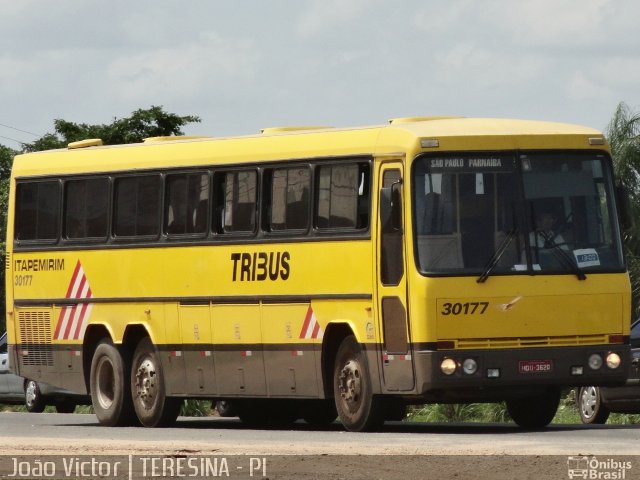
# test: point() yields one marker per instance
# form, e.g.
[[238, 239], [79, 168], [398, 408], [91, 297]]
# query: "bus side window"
[[137, 206], [187, 203], [86, 208], [288, 205], [236, 201], [342, 197], [37, 211]]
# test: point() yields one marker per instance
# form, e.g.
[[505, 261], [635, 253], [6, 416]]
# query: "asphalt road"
[[401, 450]]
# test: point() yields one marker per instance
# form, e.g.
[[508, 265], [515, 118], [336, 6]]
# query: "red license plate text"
[[535, 366]]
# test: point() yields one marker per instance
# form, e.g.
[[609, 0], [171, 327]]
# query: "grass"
[[497, 413], [432, 413]]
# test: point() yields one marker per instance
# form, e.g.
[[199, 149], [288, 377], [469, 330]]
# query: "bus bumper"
[[501, 372]]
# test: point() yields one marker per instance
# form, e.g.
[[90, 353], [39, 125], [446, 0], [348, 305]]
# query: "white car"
[[35, 396]]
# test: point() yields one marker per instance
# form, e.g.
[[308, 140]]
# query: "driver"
[[543, 236]]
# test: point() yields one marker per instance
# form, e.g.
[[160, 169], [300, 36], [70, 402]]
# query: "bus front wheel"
[[358, 409], [534, 411], [110, 393], [152, 406]]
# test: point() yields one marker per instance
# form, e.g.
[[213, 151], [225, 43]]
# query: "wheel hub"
[[588, 401], [30, 393], [350, 382], [146, 383]]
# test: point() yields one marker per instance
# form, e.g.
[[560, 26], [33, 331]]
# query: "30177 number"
[[23, 280], [468, 308]]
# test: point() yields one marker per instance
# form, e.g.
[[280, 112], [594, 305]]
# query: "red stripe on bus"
[[83, 312], [70, 322], [73, 279], [307, 320], [59, 325]]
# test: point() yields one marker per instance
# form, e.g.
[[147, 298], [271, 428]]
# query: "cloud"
[[325, 15], [212, 64], [556, 24], [470, 64], [581, 87]]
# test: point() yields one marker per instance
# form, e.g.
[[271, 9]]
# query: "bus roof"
[[402, 136]]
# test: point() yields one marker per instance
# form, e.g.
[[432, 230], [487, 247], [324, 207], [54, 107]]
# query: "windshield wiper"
[[495, 258], [567, 261]]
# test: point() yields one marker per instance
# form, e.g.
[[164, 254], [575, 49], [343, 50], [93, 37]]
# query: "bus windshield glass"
[[508, 213]]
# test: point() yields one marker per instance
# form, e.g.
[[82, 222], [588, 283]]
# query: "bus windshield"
[[542, 212]]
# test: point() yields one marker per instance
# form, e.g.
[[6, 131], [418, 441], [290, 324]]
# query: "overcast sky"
[[247, 64]]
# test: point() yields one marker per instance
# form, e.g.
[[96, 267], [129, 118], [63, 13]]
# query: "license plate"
[[535, 366]]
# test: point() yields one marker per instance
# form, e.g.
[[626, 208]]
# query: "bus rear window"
[[37, 211]]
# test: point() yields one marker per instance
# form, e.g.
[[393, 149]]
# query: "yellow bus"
[[316, 272]]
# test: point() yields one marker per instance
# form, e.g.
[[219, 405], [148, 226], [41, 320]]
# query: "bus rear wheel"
[[152, 406], [534, 411], [110, 392], [359, 410]]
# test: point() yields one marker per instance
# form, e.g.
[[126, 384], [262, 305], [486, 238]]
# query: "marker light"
[[493, 373], [613, 360], [577, 370], [429, 143], [469, 366], [595, 361], [448, 366]]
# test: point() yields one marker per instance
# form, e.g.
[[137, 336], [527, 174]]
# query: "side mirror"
[[391, 208], [625, 209]]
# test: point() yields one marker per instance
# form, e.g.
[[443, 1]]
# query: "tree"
[[623, 134], [6, 159], [143, 123], [152, 122]]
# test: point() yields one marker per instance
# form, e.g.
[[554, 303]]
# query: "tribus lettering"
[[260, 266]]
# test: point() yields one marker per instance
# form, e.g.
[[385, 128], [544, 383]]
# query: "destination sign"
[[474, 164]]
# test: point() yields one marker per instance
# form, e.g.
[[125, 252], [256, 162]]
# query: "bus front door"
[[397, 362]]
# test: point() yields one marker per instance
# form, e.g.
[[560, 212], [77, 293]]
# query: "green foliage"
[[152, 122], [497, 413], [623, 134], [143, 123], [6, 160], [196, 408], [458, 413]]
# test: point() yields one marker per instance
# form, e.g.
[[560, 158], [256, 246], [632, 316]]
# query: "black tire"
[[226, 408], [33, 399], [152, 406], [110, 387], [66, 406], [590, 406], [535, 411], [320, 414], [359, 410]]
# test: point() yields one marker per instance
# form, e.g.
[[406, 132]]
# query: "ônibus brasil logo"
[[591, 468]]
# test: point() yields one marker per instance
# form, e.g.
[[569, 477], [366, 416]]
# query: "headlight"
[[613, 360], [448, 366], [595, 361], [469, 366]]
